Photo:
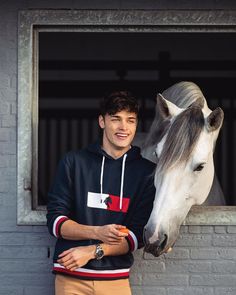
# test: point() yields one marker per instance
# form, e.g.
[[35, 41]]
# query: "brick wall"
[[203, 262], [204, 258]]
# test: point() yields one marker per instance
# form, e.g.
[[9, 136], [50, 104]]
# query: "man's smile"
[[122, 135]]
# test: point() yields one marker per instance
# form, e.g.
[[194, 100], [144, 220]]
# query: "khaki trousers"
[[66, 285]]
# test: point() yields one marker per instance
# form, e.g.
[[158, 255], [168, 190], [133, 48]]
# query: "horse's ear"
[[165, 108], [215, 119]]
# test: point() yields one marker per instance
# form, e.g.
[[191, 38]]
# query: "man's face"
[[118, 130]]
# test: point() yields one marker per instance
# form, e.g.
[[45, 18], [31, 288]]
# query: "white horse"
[[181, 141]]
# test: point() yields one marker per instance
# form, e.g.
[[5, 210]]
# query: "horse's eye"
[[199, 167]]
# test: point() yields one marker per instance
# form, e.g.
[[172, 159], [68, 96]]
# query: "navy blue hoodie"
[[92, 188]]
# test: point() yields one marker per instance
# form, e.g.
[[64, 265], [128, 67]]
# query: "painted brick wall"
[[204, 258], [202, 262]]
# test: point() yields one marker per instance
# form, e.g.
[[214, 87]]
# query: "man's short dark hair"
[[119, 101]]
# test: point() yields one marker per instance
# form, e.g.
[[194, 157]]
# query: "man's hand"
[[76, 257], [110, 234]]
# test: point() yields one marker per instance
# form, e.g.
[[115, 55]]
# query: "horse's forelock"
[[181, 138], [184, 93]]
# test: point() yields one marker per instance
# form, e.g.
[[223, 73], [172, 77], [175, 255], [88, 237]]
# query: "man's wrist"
[[92, 250], [95, 232], [95, 251], [99, 252]]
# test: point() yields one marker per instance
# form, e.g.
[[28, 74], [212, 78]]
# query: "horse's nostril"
[[163, 242], [156, 249], [153, 249]]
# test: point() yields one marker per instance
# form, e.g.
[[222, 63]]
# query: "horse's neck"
[[146, 151], [216, 196], [139, 139]]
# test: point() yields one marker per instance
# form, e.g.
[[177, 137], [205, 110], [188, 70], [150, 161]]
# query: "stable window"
[[65, 70]]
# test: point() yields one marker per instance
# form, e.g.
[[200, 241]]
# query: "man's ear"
[[101, 121]]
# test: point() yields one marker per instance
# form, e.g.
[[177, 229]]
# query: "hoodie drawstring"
[[122, 178], [101, 176], [122, 181]]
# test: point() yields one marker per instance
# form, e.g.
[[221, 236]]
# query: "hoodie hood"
[[131, 154]]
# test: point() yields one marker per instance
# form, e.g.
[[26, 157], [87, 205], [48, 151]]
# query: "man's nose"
[[123, 125]]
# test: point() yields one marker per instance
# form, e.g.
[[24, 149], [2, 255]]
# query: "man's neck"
[[115, 153]]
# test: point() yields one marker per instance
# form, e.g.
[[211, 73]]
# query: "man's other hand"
[[111, 234], [76, 257]]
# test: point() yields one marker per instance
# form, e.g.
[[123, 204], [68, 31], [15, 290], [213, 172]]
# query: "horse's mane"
[[185, 130], [182, 137]]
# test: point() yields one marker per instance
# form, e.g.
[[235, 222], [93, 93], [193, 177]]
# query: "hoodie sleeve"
[[140, 215], [60, 196]]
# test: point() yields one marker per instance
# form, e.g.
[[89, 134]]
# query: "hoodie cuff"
[[57, 225], [132, 241]]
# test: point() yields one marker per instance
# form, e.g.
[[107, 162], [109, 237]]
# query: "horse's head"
[[185, 168]]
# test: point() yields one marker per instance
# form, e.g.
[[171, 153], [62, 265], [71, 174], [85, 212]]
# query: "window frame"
[[34, 21]]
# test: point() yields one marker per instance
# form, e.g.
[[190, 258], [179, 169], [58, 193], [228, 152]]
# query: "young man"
[[97, 193]]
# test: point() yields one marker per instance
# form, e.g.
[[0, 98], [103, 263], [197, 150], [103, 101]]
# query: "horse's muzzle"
[[156, 248]]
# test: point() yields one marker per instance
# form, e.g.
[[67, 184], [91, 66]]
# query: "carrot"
[[124, 230]]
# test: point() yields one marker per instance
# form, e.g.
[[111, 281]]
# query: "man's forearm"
[[110, 233], [72, 230], [79, 256], [115, 250]]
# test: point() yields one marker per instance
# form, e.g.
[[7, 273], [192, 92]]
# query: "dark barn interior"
[[77, 69]]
